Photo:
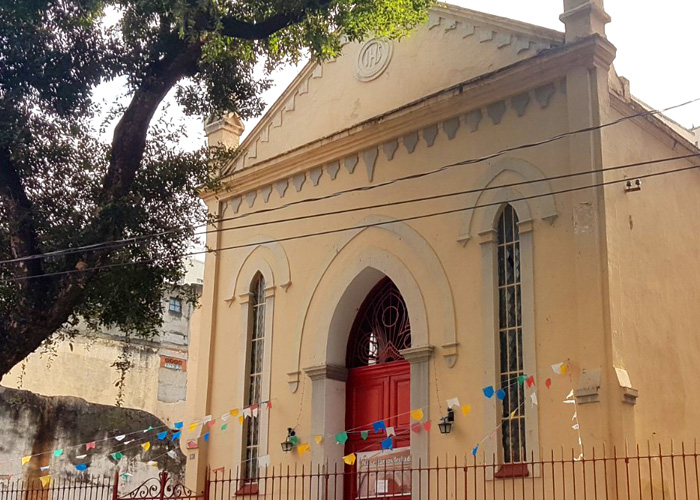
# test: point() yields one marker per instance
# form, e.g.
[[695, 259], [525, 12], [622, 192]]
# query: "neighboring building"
[[345, 319], [157, 380]]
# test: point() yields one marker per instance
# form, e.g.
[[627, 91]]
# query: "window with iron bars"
[[510, 337], [256, 349]]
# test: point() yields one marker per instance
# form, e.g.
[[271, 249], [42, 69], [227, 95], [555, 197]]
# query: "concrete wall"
[[35, 424]]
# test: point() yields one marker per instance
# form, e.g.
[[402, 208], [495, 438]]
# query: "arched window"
[[254, 382], [381, 329], [510, 337]]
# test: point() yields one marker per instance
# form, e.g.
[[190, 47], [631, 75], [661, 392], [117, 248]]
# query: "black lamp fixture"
[[287, 444], [445, 424]]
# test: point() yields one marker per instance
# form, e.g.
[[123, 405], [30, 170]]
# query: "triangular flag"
[[416, 427], [417, 414], [247, 412], [426, 426], [120, 437], [269, 405], [172, 454], [341, 437], [45, 480], [206, 436], [44, 468], [574, 417], [548, 383], [178, 425], [466, 409], [364, 434], [488, 391], [224, 427], [90, 446], [125, 476], [193, 426], [452, 402], [570, 395], [474, 450], [150, 428], [264, 461], [521, 379], [294, 440], [559, 368], [25, 460], [176, 435], [501, 394], [512, 415], [206, 419], [564, 368], [146, 446], [81, 467], [318, 439], [233, 413], [117, 455], [303, 448], [241, 419], [211, 422], [530, 380], [254, 411], [533, 398], [350, 459], [58, 453], [80, 457], [575, 427], [225, 417], [390, 431], [162, 435], [388, 444], [379, 426], [152, 463]]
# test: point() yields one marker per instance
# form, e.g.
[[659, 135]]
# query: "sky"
[[658, 47]]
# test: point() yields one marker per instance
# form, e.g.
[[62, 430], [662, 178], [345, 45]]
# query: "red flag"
[[211, 422], [416, 427], [548, 383], [90, 446], [269, 405], [530, 380], [426, 426]]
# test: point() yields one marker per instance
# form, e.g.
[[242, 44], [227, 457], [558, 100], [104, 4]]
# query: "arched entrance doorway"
[[378, 389]]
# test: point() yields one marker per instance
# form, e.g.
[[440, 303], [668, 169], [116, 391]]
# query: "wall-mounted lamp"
[[633, 185], [287, 444], [445, 424]]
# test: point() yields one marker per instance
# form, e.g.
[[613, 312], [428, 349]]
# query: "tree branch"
[[256, 31]]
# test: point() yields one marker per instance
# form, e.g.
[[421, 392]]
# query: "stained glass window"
[[510, 336]]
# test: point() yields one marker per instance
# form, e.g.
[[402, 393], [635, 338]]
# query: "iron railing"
[[649, 473]]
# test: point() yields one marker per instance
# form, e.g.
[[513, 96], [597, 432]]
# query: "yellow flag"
[[350, 459], [234, 413], [564, 368], [26, 459], [241, 419], [417, 415], [318, 439], [303, 448], [45, 480], [193, 426], [466, 409], [146, 446], [512, 415]]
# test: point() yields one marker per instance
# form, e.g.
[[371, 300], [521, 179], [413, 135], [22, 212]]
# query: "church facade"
[[480, 211]]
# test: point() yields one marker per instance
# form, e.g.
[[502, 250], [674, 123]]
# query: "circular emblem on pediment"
[[372, 59]]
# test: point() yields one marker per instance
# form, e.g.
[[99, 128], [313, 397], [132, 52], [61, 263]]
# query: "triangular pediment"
[[373, 78]]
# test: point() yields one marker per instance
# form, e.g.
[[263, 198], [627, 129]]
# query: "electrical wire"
[[126, 241], [362, 226]]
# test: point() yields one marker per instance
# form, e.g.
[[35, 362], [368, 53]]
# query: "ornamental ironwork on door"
[[381, 329]]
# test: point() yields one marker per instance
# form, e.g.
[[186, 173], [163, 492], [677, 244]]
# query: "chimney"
[[583, 18], [225, 131]]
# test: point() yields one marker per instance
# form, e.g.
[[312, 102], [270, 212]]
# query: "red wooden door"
[[373, 393]]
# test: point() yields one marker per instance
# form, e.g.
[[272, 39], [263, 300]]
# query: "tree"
[[62, 188]]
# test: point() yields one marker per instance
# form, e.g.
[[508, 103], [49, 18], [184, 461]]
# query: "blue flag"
[[81, 467], [501, 394], [474, 450], [176, 435], [162, 435], [206, 437], [488, 391], [178, 425], [388, 444], [379, 426]]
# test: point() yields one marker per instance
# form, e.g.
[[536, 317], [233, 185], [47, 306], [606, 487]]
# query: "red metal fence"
[[600, 474]]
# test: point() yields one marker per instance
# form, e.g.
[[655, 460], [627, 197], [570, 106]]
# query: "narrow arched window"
[[256, 350], [510, 337]]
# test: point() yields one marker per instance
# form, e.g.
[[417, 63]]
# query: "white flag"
[[533, 398], [246, 412], [452, 402], [390, 431], [264, 461]]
